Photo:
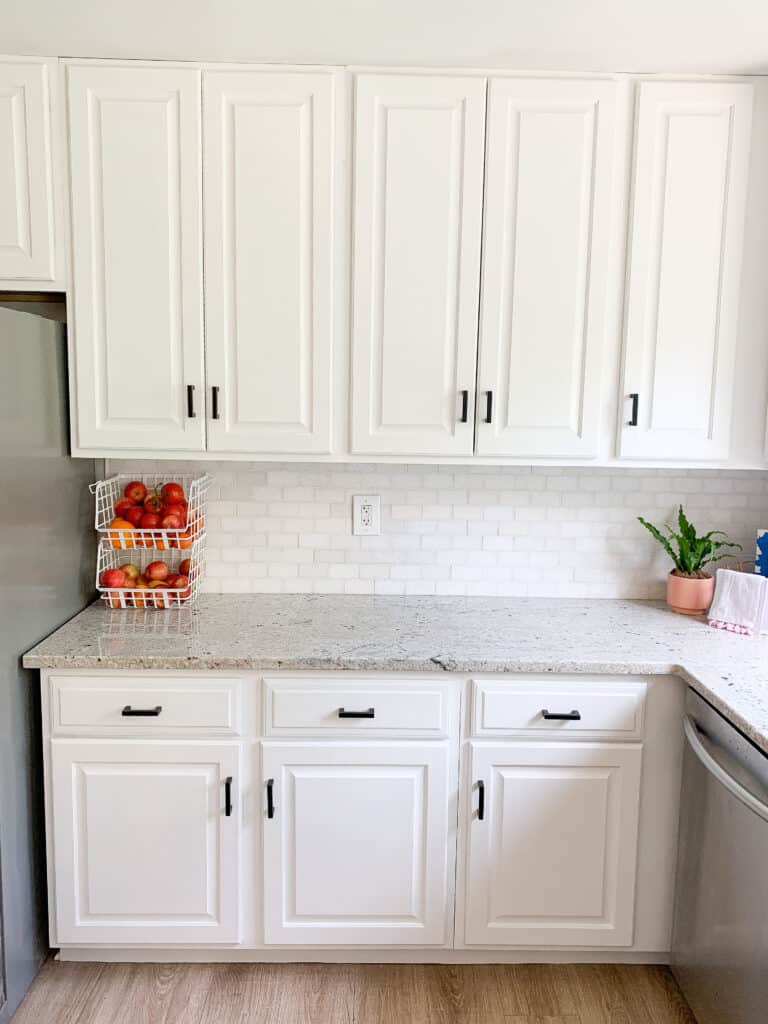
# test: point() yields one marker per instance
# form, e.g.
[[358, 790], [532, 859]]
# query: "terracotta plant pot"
[[689, 596]]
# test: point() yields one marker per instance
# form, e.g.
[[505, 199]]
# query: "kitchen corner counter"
[[424, 634]]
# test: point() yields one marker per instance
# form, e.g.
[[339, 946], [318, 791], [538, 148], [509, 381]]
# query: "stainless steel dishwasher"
[[720, 935]]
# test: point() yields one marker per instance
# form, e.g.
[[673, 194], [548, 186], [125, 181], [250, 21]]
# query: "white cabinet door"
[[27, 189], [689, 193], [357, 849], [273, 159], [136, 257], [548, 194], [143, 849], [552, 859], [418, 183]]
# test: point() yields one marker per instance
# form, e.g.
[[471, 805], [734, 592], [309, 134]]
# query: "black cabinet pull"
[[228, 797], [464, 406], [270, 798], [191, 414], [561, 716], [129, 712], [488, 406], [214, 402], [632, 421], [481, 801], [369, 713]]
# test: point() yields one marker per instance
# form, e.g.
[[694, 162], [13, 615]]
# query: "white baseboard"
[[142, 955]]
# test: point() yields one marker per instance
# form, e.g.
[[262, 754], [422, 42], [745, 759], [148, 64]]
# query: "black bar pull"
[[561, 716], [488, 406], [368, 713], [191, 414], [632, 421], [464, 406], [270, 798], [214, 402], [228, 797], [481, 801], [129, 712]]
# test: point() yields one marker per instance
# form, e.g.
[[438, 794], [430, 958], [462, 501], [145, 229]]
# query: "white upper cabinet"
[[273, 159], [418, 184], [689, 193], [136, 257], [29, 234], [548, 192]]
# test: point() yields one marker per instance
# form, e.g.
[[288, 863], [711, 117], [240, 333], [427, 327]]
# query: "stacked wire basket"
[[141, 547]]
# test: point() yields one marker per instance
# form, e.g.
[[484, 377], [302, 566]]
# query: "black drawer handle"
[[214, 402], [561, 716], [191, 401], [488, 406], [464, 407], [228, 797], [481, 801], [270, 798], [129, 712], [632, 421], [369, 713]]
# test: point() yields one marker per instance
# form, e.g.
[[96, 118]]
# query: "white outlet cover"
[[366, 515]]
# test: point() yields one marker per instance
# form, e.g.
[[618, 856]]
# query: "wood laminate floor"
[[351, 994]]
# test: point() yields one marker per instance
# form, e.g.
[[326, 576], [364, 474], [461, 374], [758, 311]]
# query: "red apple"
[[150, 521], [185, 567], [136, 491], [131, 572], [112, 578], [180, 511], [156, 572], [172, 493], [152, 503], [134, 514], [170, 522], [122, 506]]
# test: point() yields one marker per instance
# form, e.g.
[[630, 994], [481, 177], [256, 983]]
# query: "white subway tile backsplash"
[[455, 530]]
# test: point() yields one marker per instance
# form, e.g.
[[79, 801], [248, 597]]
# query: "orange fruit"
[[121, 533], [185, 540]]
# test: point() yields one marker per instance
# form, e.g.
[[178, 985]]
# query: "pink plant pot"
[[689, 596]]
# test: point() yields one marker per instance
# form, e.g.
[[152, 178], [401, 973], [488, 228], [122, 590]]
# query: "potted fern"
[[689, 588]]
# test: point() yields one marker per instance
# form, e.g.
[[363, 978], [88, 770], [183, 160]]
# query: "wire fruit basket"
[[130, 546], [144, 595], [123, 536]]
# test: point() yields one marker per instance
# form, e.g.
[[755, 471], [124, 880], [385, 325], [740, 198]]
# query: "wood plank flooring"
[[352, 994]]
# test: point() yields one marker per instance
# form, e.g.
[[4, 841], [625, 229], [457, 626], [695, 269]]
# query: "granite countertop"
[[425, 634]]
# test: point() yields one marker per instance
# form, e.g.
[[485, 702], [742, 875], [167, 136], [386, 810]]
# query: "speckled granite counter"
[[424, 634]]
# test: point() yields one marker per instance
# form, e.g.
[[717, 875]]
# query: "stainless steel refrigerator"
[[47, 557]]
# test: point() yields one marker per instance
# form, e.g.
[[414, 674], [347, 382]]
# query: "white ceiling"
[[611, 35]]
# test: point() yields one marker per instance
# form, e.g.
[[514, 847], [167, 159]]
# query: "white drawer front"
[[93, 705], [301, 706], [605, 708]]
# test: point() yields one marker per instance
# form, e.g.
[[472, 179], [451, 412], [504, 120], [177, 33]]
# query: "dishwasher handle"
[[714, 767]]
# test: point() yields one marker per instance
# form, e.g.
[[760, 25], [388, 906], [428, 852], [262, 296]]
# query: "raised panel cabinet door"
[[273, 156], [546, 255], [137, 331], [27, 192], [144, 850], [418, 184], [689, 194], [355, 843], [552, 844]]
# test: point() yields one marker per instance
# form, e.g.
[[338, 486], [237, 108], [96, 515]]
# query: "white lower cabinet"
[[356, 840], [552, 843], [145, 842]]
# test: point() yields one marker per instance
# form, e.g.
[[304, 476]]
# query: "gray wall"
[[47, 552]]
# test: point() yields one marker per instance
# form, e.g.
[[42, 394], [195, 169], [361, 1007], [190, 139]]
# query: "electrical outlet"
[[366, 514]]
